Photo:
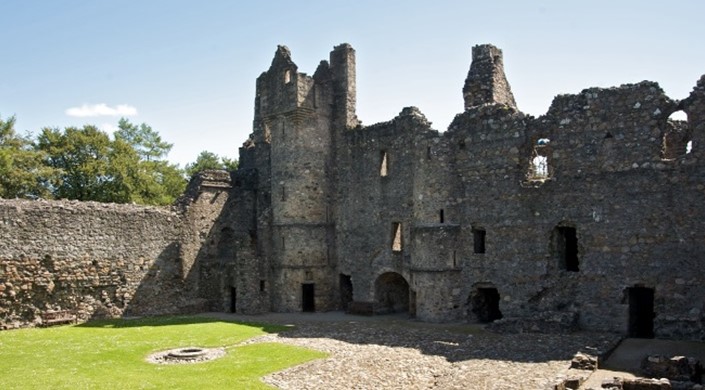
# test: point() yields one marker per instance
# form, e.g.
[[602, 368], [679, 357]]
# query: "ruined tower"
[[297, 119], [486, 82]]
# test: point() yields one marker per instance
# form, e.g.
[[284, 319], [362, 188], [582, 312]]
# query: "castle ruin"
[[590, 216]]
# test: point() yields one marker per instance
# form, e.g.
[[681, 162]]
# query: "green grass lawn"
[[111, 355]]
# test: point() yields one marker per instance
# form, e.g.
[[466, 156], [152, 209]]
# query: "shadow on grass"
[[175, 320]]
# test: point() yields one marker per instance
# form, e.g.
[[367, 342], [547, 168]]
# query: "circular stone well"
[[186, 355]]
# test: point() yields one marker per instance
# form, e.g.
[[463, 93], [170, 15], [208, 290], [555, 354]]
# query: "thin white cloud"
[[102, 109]]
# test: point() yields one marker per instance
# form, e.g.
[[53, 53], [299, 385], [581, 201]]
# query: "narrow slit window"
[[384, 165], [478, 236], [287, 77], [262, 286], [442, 216], [396, 237], [567, 248], [283, 193]]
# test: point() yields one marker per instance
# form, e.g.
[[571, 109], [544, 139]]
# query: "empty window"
[[566, 245], [478, 236], [283, 193], [442, 216], [396, 237], [677, 137], [287, 77], [383, 168], [262, 286], [538, 165]]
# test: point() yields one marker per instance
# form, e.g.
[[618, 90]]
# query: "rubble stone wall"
[[92, 259]]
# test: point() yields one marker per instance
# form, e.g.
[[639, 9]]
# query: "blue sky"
[[188, 68]]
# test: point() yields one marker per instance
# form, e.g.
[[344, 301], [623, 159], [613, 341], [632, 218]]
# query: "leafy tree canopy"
[[147, 142], [208, 160], [128, 168], [22, 171], [88, 164]]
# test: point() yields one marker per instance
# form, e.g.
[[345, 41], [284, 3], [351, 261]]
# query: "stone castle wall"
[[92, 259], [589, 216]]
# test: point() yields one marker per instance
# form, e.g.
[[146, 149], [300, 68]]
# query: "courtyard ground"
[[395, 352]]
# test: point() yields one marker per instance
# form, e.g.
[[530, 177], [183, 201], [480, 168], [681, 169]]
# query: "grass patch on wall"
[[111, 354]]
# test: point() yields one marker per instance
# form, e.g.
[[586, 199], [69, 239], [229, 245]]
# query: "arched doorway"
[[391, 294], [484, 304]]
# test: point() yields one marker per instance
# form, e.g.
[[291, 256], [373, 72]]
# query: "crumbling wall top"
[[486, 82]]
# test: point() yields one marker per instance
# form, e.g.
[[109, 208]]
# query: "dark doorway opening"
[[391, 294], [346, 291], [308, 295], [567, 248], [484, 303], [641, 312], [233, 300]]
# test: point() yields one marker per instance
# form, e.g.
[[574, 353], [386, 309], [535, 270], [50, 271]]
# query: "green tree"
[[93, 166], [208, 160], [22, 172], [156, 180], [87, 166], [147, 142]]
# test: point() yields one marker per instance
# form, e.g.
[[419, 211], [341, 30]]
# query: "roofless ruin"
[[590, 216]]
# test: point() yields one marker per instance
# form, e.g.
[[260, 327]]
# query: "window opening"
[[567, 248], [396, 237], [442, 216], [262, 286], [478, 235], [677, 137], [287, 77], [539, 169], [383, 169]]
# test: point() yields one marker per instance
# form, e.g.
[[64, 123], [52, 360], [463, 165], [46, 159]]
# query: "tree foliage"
[[87, 164], [147, 142], [208, 160], [22, 172], [128, 168]]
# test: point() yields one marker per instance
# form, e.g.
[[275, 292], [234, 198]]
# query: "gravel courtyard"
[[394, 352]]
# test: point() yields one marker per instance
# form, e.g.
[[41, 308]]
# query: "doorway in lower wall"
[[641, 312], [308, 297]]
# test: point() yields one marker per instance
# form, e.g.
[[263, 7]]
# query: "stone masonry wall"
[[94, 260]]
